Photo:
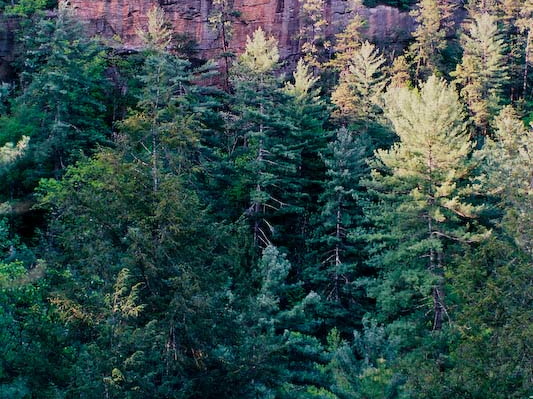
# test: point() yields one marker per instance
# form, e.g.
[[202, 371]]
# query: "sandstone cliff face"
[[280, 18]]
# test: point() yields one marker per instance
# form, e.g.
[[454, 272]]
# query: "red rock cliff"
[[280, 18]]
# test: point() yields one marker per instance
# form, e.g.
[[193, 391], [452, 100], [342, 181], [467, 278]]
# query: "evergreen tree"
[[307, 113], [313, 24], [358, 94], [221, 19], [62, 105], [429, 37], [167, 102], [491, 354], [34, 352], [349, 40], [139, 283], [482, 72], [256, 92], [336, 261], [400, 72], [281, 130], [421, 214], [26, 8], [508, 164], [525, 25], [493, 283], [360, 368]]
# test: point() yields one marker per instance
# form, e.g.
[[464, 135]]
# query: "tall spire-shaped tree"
[[421, 213], [361, 85], [167, 101], [525, 25], [221, 19], [312, 34], [349, 40], [509, 168], [306, 112], [336, 254], [430, 38], [482, 71], [259, 123]]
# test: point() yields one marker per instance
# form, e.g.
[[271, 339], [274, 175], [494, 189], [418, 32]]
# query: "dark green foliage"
[[129, 309], [61, 105], [22, 8], [493, 356], [336, 260], [276, 138], [253, 242]]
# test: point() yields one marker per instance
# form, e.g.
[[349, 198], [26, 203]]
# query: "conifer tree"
[[137, 283], [336, 259], [63, 94], [422, 215], [167, 101], [221, 19], [312, 35], [345, 161], [525, 25], [482, 72], [349, 40], [400, 73], [306, 112], [280, 129], [158, 36], [27, 321], [508, 166], [256, 92], [493, 282], [430, 38], [358, 94]]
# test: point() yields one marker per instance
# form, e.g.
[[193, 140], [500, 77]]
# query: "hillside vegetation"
[[360, 228]]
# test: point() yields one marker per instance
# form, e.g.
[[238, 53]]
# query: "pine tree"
[[63, 95], [508, 166], [430, 38], [358, 94], [525, 25], [493, 282], [167, 101], [400, 73], [312, 34], [349, 40], [422, 216], [270, 154], [136, 293], [221, 19], [158, 36], [304, 140], [27, 321], [482, 72], [261, 54], [336, 262], [256, 94]]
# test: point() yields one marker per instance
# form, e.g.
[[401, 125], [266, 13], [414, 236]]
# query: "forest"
[[354, 224]]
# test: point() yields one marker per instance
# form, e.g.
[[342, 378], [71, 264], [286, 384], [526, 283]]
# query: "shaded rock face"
[[121, 19], [8, 25]]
